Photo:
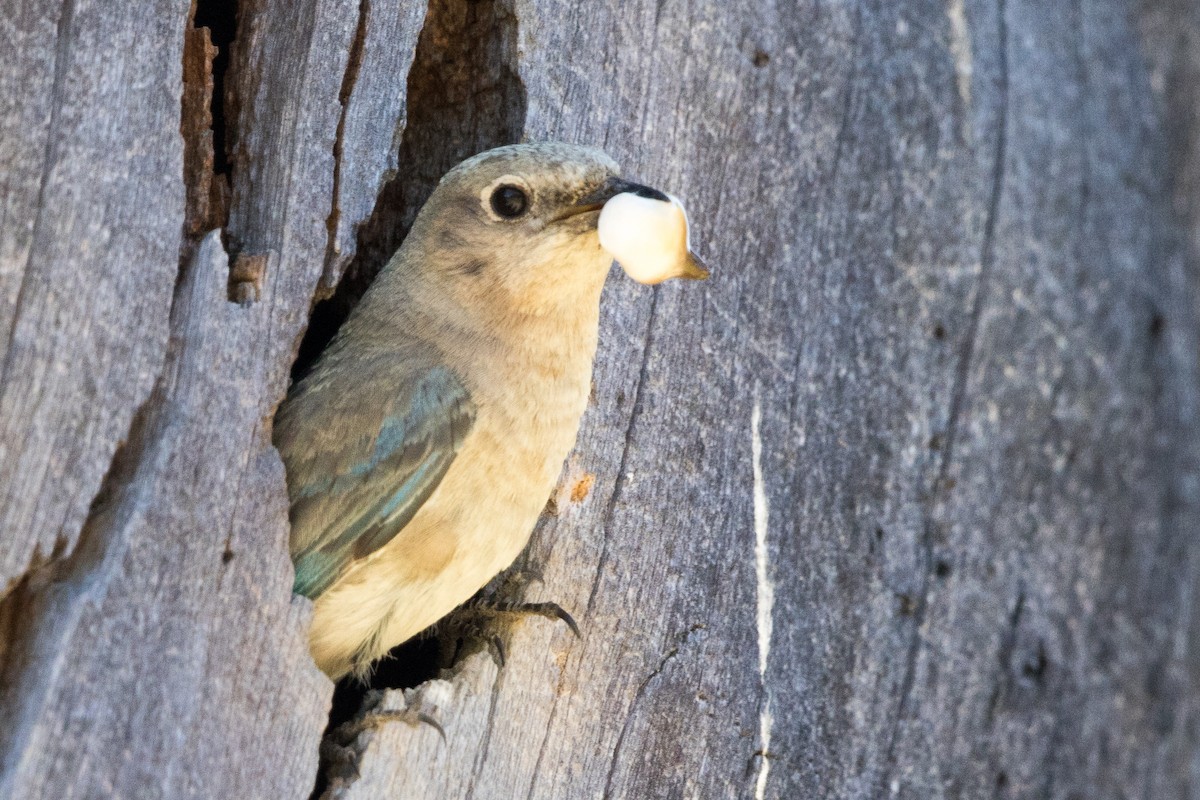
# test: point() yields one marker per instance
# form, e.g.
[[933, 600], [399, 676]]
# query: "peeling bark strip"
[[204, 196], [374, 101], [246, 276], [955, 298], [463, 96], [208, 39]]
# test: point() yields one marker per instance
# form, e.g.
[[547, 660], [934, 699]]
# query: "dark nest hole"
[[411, 664], [220, 17]]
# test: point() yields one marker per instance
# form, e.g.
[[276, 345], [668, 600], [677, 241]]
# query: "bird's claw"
[[344, 735], [340, 752], [339, 761], [477, 622], [498, 651], [547, 610]]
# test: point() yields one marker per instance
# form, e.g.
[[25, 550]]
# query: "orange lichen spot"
[[579, 491]]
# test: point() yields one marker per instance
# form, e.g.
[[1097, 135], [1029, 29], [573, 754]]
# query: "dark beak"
[[615, 186]]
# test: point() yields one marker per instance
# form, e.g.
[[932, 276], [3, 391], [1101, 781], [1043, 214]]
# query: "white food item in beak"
[[649, 238]]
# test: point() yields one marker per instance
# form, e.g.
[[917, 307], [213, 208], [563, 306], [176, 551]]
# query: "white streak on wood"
[[765, 595], [960, 48]]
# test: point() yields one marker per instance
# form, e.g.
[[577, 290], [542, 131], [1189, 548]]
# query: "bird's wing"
[[351, 494]]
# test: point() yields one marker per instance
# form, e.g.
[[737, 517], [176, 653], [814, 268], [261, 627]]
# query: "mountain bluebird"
[[428, 437]]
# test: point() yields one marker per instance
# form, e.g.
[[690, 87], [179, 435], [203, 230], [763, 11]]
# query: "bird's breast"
[[530, 390], [537, 411]]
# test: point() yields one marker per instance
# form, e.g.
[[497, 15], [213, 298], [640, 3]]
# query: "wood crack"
[[620, 480], [487, 735], [62, 62], [847, 103], [681, 641], [329, 274], [537, 767], [934, 493]]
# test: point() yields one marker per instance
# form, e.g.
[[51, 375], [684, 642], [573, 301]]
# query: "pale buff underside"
[[530, 399], [472, 527]]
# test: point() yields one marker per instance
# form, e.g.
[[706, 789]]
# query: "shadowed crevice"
[[349, 79], [206, 169], [220, 17], [464, 96]]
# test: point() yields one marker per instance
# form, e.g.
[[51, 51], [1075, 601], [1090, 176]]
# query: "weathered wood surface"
[[167, 658], [374, 114], [903, 498], [85, 272]]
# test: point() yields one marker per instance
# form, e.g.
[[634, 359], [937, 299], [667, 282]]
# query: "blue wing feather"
[[317, 569], [348, 503]]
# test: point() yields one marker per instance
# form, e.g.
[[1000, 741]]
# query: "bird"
[[427, 438]]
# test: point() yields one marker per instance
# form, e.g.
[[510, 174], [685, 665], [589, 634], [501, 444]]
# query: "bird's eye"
[[509, 201]]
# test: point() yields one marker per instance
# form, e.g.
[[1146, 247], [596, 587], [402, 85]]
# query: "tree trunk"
[[898, 504]]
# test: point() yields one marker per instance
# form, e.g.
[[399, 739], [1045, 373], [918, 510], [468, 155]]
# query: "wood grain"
[[900, 503], [168, 649], [374, 115], [90, 206], [938, 275]]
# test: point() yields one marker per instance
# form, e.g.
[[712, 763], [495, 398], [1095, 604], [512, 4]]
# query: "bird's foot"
[[374, 720], [478, 618], [504, 608], [339, 751]]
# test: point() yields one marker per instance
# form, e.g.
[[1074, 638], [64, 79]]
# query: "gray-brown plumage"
[[427, 438]]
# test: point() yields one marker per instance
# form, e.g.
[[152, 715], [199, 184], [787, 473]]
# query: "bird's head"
[[522, 222]]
